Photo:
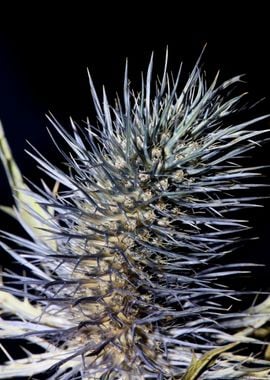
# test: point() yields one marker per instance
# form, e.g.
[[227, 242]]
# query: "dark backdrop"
[[44, 53]]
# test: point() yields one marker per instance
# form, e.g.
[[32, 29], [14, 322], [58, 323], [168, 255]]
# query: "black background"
[[44, 53]]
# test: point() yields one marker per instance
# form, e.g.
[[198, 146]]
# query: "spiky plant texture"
[[122, 274]]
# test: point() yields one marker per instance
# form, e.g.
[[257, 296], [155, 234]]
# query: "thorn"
[[27, 352], [6, 353]]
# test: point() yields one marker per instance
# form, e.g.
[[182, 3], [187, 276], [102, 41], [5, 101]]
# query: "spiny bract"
[[122, 278]]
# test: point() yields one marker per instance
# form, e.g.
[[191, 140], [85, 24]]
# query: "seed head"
[[122, 273]]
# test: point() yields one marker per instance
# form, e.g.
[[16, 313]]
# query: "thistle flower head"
[[123, 279]]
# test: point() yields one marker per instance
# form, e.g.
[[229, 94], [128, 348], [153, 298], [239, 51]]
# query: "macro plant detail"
[[123, 273]]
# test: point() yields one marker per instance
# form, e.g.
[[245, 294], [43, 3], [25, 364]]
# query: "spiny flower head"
[[122, 277]]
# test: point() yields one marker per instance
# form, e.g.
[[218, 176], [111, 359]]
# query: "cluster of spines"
[[127, 253]]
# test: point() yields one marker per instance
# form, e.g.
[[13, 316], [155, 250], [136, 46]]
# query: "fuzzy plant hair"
[[122, 275]]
